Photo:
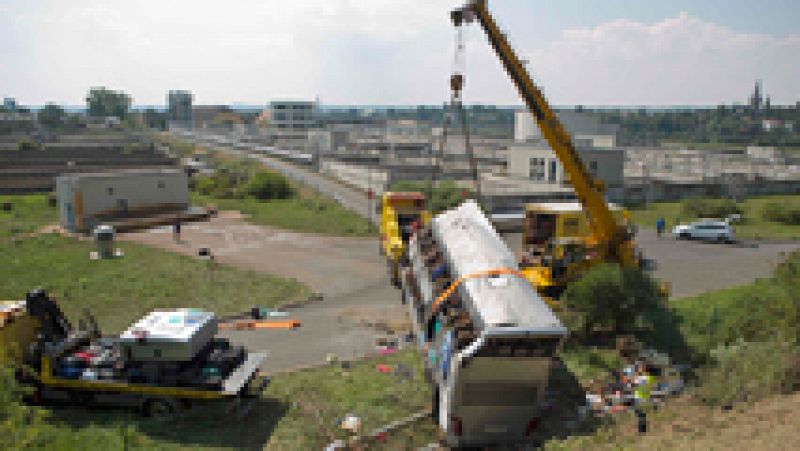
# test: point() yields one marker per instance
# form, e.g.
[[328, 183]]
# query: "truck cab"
[[401, 213]]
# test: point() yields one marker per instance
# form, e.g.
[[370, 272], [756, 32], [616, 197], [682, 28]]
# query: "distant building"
[[580, 125], [756, 99], [538, 163], [179, 106], [9, 104], [293, 114], [203, 116]]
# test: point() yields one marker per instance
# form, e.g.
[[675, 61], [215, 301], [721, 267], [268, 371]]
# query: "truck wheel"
[[159, 408]]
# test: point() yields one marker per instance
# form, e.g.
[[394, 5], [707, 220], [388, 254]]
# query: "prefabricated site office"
[[86, 200]]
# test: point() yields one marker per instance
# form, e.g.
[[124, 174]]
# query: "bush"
[[268, 185], [716, 208], [612, 296], [777, 212], [749, 371], [27, 144]]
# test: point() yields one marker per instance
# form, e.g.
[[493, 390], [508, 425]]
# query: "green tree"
[[268, 185], [611, 296], [51, 116], [103, 102]]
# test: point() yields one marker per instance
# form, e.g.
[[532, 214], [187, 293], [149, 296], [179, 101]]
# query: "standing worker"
[[660, 225], [176, 232]]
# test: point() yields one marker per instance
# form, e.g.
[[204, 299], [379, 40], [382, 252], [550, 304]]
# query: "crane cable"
[[456, 106]]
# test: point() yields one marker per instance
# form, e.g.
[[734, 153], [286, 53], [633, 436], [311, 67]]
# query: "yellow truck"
[[401, 212], [160, 365]]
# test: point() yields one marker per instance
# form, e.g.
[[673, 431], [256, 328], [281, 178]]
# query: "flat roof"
[[122, 173]]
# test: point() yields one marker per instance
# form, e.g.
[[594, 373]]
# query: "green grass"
[[29, 213], [305, 213], [121, 290], [753, 226], [298, 411], [588, 363]]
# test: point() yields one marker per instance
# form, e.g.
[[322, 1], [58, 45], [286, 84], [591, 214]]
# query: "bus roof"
[[471, 245]]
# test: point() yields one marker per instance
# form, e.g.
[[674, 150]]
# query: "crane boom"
[[588, 190]]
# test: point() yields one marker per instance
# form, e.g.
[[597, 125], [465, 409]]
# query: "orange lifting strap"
[[490, 272]]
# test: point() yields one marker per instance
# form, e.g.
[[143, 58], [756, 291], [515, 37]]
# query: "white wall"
[[102, 194]]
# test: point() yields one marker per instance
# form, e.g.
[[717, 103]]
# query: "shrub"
[[777, 212], [27, 144], [268, 185], [749, 371], [698, 207], [612, 296]]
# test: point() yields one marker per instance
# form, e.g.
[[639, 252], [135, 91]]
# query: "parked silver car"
[[705, 230]]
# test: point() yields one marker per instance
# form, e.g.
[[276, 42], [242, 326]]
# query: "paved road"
[[347, 271], [693, 267]]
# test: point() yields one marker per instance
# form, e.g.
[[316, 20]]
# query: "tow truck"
[[161, 364], [401, 213]]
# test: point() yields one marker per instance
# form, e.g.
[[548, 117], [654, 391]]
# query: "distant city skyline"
[[383, 52]]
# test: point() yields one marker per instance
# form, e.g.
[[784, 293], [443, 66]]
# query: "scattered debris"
[[351, 423], [651, 378], [259, 324], [263, 312], [383, 368]]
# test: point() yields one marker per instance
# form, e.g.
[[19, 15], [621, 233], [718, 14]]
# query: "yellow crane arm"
[[590, 192]]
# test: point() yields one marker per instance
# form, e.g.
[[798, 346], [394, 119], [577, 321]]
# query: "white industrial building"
[[585, 128], [293, 115], [538, 163], [86, 200]]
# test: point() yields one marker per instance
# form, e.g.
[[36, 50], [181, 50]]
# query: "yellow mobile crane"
[[608, 240]]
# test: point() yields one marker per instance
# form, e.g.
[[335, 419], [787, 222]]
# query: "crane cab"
[[558, 244]]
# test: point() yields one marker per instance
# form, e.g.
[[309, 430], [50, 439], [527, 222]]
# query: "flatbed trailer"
[[36, 339]]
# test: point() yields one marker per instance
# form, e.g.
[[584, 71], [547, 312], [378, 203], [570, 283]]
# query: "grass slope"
[[753, 226], [121, 290], [298, 411], [28, 214], [307, 213]]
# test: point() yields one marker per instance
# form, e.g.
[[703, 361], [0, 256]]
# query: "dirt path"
[[770, 424], [346, 271]]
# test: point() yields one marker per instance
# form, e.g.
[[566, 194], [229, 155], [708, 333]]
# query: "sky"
[[398, 52]]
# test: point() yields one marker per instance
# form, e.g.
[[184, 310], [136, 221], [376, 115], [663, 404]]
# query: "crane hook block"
[[456, 82]]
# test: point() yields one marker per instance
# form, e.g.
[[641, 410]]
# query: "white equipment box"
[[168, 336]]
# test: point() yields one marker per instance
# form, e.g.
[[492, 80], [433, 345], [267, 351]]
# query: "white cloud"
[[356, 51], [680, 60]]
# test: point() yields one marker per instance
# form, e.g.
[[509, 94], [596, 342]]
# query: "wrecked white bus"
[[487, 336]]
